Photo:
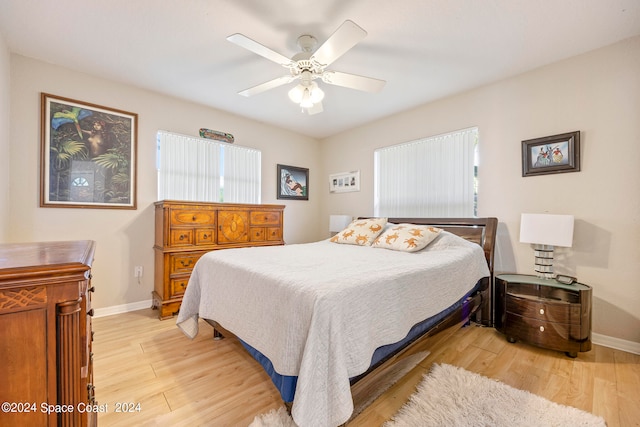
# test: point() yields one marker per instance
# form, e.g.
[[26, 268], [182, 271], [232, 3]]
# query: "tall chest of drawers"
[[46, 359], [184, 231]]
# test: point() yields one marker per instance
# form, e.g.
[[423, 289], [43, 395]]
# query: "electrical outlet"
[[137, 271]]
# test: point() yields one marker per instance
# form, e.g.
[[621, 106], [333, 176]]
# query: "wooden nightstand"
[[544, 312]]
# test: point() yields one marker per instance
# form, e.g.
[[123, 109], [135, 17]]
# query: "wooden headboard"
[[478, 230]]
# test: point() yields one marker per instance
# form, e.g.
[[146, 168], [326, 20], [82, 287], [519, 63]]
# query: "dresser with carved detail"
[[184, 231], [46, 359]]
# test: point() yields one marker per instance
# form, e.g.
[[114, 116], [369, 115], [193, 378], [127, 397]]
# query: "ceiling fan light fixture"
[[296, 94], [315, 93], [306, 102]]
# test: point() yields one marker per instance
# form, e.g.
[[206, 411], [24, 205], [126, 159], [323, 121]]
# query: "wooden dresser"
[[187, 230], [45, 334]]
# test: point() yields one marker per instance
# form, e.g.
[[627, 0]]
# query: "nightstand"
[[544, 312]]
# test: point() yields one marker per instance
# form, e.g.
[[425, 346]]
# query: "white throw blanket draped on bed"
[[319, 310]]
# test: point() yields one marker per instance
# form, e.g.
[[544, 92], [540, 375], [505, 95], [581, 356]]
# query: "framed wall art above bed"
[[551, 154]]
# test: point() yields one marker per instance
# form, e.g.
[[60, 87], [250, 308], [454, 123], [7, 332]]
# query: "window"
[[429, 177], [204, 170]]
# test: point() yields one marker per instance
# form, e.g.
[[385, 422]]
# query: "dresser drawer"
[[274, 233], [180, 217], [542, 309], [181, 237], [177, 286], [257, 234], [205, 236], [183, 262], [551, 335], [265, 218]]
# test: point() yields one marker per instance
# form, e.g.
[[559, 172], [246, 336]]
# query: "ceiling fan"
[[309, 65]]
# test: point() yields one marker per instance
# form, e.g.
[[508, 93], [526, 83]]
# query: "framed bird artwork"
[[88, 155], [551, 154]]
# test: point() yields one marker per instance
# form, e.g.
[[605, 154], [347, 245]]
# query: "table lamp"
[[545, 231]]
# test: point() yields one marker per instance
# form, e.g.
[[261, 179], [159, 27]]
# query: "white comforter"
[[319, 310]]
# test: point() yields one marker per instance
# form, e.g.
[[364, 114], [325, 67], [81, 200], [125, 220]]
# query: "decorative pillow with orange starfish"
[[406, 237], [361, 232]]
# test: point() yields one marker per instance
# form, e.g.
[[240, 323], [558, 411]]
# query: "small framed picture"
[[344, 182], [293, 183], [88, 155], [551, 154]]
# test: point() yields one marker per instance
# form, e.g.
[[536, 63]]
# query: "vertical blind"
[[430, 177], [203, 170]]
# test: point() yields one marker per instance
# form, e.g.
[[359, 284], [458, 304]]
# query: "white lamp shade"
[[547, 229], [338, 223], [296, 94]]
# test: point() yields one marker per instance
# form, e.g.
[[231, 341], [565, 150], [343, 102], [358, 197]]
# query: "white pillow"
[[406, 237], [361, 232]]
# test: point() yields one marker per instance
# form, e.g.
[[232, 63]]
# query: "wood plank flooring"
[[202, 382]]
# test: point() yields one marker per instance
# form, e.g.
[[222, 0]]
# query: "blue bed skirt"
[[286, 384]]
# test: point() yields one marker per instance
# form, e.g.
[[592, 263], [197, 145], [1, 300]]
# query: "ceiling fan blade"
[[266, 86], [353, 81], [343, 39], [315, 109], [255, 47]]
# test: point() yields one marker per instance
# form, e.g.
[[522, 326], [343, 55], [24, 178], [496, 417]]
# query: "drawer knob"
[[205, 236], [182, 237], [90, 313], [91, 289], [185, 264], [541, 328], [542, 311], [193, 218]]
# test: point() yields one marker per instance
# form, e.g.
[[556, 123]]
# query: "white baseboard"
[[616, 343], [124, 308]]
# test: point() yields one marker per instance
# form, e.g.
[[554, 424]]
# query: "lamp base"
[[543, 261]]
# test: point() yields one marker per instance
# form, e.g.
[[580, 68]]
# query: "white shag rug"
[[452, 396]]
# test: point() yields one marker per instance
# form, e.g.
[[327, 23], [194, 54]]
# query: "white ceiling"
[[424, 49]]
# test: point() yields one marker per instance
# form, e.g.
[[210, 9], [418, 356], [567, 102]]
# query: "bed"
[[323, 317]]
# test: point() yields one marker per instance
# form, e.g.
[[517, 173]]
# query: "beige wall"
[[597, 93], [125, 237], [4, 137]]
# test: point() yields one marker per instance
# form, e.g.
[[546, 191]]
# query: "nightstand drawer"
[[546, 310], [551, 335]]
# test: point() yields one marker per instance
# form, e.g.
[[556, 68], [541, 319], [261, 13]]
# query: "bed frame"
[[478, 307]]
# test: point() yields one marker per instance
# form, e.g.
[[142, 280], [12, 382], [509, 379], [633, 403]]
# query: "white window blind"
[[430, 177], [198, 169]]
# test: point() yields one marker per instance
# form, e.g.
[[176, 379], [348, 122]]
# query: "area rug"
[[452, 396]]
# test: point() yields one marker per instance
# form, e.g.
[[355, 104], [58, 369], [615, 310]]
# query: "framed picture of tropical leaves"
[[88, 155]]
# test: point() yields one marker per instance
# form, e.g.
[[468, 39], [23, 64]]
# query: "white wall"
[[4, 137], [597, 93], [125, 237]]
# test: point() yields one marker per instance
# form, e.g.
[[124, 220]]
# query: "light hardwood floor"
[[182, 382]]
